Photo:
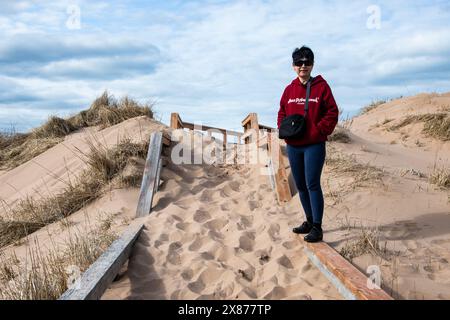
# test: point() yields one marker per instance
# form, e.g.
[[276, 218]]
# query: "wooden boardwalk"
[[350, 282]]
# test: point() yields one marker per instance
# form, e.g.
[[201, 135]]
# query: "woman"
[[307, 154]]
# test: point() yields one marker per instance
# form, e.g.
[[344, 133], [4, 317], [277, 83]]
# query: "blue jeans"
[[306, 166]]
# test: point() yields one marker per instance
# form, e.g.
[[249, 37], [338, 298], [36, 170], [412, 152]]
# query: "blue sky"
[[213, 61]]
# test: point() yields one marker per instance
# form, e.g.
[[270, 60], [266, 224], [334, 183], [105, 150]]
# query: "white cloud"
[[219, 61]]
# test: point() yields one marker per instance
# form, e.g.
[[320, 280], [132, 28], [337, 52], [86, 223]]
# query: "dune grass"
[[339, 135], [436, 125], [371, 106], [105, 111], [45, 276], [104, 164], [361, 174], [367, 241], [441, 178]]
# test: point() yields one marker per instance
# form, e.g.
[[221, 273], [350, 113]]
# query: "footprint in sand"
[[161, 240], [245, 222], [216, 236], [224, 289], [236, 185], [225, 206], [276, 293], [291, 244], [196, 189], [201, 216], [274, 231], [285, 262], [216, 224], [174, 257], [239, 182], [176, 218], [247, 293], [263, 256], [226, 192], [163, 203], [197, 286], [254, 205], [185, 203], [206, 196], [182, 225], [247, 241], [187, 274], [251, 196], [247, 274], [197, 243], [210, 275], [206, 255], [224, 253]]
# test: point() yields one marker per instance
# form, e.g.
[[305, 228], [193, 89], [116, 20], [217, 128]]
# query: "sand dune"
[[412, 215], [49, 172]]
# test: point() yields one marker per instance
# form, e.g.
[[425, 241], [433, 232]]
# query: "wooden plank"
[[263, 141], [225, 139], [261, 126], [271, 174], [175, 121], [282, 187], [281, 177], [188, 125], [158, 174], [192, 126], [254, 126], [166, 139], [96, 279], [246, 135], [250, 122], [150, 172], [247, 119], [346, 273]]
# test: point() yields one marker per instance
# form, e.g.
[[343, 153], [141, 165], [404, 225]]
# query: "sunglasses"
[[300, 63]]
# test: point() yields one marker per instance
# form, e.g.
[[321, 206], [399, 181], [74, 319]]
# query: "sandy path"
[[217, 233]]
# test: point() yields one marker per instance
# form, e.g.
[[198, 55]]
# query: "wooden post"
[[175, 121], [149, 182], [255, 127], [282, 188], [225, 139], [251, 122]]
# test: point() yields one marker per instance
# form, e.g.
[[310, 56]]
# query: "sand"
[[412, 215], [217, 232], [48, 173]]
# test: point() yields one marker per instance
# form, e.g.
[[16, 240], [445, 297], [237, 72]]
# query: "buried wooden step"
[[349, 281]]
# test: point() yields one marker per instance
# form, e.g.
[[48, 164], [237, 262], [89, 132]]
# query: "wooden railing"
[[177, 123], [264, 137], [350, 282]]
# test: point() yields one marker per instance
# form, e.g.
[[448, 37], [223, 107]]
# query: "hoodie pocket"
[[316, 132]]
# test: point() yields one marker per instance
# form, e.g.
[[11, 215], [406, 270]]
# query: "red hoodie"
[[322, 114]]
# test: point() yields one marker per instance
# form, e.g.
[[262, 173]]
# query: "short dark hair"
[[302, 53]]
